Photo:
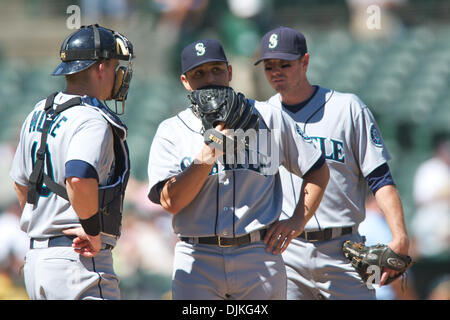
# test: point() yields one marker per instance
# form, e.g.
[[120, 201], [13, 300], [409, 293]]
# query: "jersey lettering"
[[37, 123], [186, 162], [332, 149], [56, 125], [34, 120], [48, 168]]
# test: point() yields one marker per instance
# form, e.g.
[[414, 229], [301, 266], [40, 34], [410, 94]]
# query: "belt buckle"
[[223, 245], [310, 240]]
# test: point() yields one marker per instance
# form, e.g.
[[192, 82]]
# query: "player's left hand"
[[399, 247], [281, 233], [84, 244]]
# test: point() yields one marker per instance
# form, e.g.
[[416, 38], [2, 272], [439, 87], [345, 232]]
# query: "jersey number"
[[48, 168]]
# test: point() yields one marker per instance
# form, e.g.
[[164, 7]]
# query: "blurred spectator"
[[246, 9], [373, 19], [430, 223], [176, 22], [13, 247], [7, 194], [441, 289], [13, 242], [93, 11], [376, 230]]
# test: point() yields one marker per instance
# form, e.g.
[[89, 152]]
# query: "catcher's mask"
[[123, 74], [92, 43]]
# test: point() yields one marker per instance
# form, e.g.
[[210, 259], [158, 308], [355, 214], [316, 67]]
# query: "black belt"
[[58, 241], [227, 242], [325, 234]]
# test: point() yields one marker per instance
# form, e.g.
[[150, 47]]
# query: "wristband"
[[91, 225]]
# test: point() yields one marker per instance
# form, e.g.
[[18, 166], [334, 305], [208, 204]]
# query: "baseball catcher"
[[221, 104], [379, 255]]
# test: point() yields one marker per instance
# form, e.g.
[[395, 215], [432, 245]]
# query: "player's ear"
[[185, 82], [305, 61], [230, 73], [96, 69], [101, 66]]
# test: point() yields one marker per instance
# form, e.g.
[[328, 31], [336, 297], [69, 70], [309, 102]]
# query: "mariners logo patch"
[[375, 136], [273, 41], [200, 49]]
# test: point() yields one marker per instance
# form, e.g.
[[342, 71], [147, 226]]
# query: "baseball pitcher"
[[343, 127], [226, 213]]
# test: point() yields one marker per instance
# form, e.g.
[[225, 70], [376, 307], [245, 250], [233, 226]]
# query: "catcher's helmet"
[[84, 47]]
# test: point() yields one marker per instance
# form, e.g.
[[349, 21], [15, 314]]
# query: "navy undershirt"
[[380, 177], [80, 169]]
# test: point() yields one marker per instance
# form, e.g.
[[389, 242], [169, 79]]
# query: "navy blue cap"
[[200, 52], [70, 67], [282, 43]]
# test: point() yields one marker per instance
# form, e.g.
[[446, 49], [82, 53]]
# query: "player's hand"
[[281, 233], [209, 154], [399, 247], [84, 244]]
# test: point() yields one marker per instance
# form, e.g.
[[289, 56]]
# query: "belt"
[[59, 241], [228, 242], [325, 234]]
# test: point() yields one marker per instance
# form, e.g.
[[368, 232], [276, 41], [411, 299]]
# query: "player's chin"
[[279, 85], [107, 98]]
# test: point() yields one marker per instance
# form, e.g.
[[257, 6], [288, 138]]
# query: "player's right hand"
[[209, 154], [84, 244]]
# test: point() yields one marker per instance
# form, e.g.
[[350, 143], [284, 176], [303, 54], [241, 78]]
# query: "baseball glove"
[[215, 104], [379, 255]]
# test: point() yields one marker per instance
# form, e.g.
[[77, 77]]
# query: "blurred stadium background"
[[401, 70]]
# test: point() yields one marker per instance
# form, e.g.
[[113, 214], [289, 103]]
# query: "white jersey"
[[79, 133], [342, 126], [232, 202]]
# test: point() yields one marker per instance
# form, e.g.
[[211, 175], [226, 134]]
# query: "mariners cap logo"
[[282, 43], [273, 41], [200, 49]]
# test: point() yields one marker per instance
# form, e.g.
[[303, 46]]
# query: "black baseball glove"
[[216, 104], [379, 255]]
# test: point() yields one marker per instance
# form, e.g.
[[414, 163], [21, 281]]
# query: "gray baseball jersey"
[[83, 134], [345, 130], [231, 202], [236, 199], [69, 138]]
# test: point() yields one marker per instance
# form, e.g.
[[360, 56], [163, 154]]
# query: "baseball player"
[[342, 126], [70, 171], [226, 216]]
